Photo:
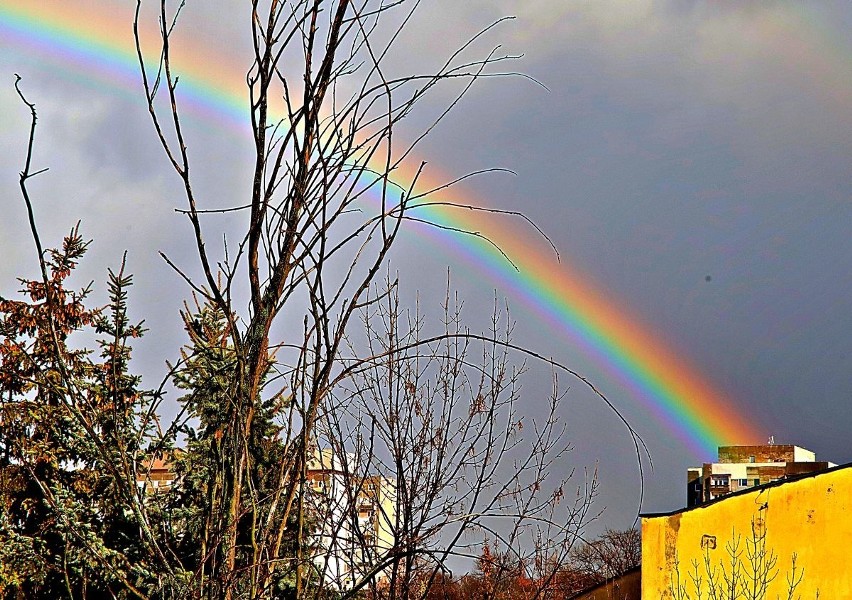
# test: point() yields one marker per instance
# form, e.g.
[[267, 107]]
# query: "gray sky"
[[692, 158]]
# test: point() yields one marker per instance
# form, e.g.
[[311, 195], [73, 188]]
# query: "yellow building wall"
[[385, 511], [810, 518]]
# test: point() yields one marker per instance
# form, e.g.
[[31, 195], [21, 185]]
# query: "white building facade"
[[352, 517], [743, 467]]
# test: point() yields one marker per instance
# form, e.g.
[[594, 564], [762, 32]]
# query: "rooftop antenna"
[[771, 441]]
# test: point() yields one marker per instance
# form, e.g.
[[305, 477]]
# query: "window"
[[751, 458]]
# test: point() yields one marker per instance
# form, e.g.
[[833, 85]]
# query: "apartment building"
[[352, 516], [743, 467], [156, 475]]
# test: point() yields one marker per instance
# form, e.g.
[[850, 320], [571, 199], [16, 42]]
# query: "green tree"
[[205, 374], [72, 435]]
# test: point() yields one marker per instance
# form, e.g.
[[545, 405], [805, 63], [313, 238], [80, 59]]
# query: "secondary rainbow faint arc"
[[677, 395]]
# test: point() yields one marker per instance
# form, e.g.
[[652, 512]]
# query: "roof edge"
[[771, 484]]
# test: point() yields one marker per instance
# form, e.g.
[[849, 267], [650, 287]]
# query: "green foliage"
[[78, 436], [207, 372], [72, 431]]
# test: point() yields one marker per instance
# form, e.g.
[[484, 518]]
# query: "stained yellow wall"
[[811, 517], [385, 513]]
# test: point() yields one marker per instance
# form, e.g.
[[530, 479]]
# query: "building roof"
[[750, 490], [324, 460]]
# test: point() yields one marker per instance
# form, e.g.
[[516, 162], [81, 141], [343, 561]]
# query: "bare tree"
[[413, 408], [608, 555], [440, 417]]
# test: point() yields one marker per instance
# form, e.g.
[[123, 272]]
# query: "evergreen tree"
[[72, 436], [206, 373]]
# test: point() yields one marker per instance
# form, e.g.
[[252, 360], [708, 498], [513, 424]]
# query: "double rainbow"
[[96, 44]]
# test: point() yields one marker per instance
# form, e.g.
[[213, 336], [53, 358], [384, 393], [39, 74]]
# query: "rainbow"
[[567, 301], [96, 45]]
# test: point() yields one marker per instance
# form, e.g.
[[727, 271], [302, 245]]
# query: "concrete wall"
[[776, 453], [809, 517]]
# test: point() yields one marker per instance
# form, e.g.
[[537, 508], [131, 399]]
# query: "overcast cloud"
[[693, 158]]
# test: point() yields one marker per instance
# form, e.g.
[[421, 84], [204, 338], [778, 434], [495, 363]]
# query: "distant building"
[[743, 467], [353, 519], [156, 475], [352, 515]]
